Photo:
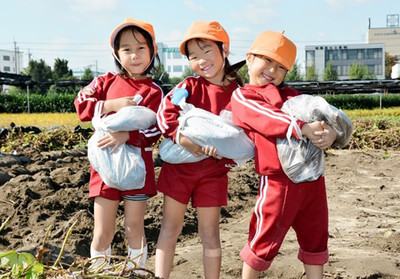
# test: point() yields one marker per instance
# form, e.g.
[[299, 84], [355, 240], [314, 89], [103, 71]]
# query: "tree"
[[311, 74], [294, 74], [358, 72], [244, 73], [330, 72], [161, 76], [390, 61], [88, 74], [61, 70], [188, 72], [40, 73]]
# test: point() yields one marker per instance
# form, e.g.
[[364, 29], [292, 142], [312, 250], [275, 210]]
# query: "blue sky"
[[79, 30]]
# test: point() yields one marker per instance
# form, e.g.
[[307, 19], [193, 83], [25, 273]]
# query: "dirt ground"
[[38, 190]]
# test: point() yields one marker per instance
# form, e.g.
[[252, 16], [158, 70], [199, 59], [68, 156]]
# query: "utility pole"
[[15, 57]]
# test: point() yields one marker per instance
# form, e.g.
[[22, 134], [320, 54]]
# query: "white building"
[[11, 61], [343, 56], [175, 64], [389, 35]]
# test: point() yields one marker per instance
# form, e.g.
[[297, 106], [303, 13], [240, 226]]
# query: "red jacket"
[[257, 110], [202, 94], [113, 86]]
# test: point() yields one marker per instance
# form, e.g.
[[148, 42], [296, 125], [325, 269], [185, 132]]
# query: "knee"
[[170, 230], [103, 238], [210, 239], [134, 225]]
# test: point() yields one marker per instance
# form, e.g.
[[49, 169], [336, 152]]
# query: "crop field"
[[42, 120], [71, 120]]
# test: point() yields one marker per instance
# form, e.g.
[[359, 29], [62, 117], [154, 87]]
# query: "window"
[[6, 58], [310, 58], [352, 54], [7, 69], [177, 69], [177, 55]]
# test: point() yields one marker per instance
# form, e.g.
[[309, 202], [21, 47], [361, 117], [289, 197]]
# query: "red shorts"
[[281, 204], [204, 182], [97, 188]]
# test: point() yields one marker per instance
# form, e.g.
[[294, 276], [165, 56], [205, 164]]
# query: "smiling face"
[[263, 70], [134, 53], [206, 60]]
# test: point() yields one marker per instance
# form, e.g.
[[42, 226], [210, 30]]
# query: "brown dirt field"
[[51, 188]]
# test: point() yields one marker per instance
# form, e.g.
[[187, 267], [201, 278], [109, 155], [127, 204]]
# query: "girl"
[[281, 204], [205, 183], [134, 50]]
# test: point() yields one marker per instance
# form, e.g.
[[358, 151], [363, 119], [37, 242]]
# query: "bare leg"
[[134, 230], [134, 223], [314, 271], [249, 273], [105, 212], [208, 218], [171, 227]]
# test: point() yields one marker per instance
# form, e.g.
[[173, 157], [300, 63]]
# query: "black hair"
[[151, 69], [230, 71]]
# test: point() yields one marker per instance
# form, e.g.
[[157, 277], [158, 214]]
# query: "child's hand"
[[115, 139], [211, 151], [328, 136], [117, 104], [193, 148], [309, 130]]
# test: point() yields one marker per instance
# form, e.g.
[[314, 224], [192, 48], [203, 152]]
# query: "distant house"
[[344, 55], [389, 35], [11, 61], [175, 64]]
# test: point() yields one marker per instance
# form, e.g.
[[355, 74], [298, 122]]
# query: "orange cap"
[[209, 30], [134, 22], [275, 46]]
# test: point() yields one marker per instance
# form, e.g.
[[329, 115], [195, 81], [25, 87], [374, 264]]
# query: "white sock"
[[99, 261], [139, 260]]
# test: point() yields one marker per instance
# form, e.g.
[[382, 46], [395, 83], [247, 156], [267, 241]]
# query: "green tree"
[[88, 74], [161, 76], [359, 72], [188, 72], [61, 70], [356, 71], [40, 73], [311, 74], [244, 73], [294, 74], [390, 61], [330, 72], [367, 74]]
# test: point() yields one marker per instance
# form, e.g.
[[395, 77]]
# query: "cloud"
[[171, 38], [342, 3], [87, 6], [193, 6], [257, 13]]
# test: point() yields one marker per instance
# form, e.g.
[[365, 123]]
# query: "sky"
[[79, 30]]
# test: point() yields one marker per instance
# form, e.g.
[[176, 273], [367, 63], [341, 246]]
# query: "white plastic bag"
[[173, 153], [124, 169], [207, 129], [300, 159]]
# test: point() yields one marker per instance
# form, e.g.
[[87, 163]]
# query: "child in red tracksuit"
[[281, 204], [134, 50], [204, 183]]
